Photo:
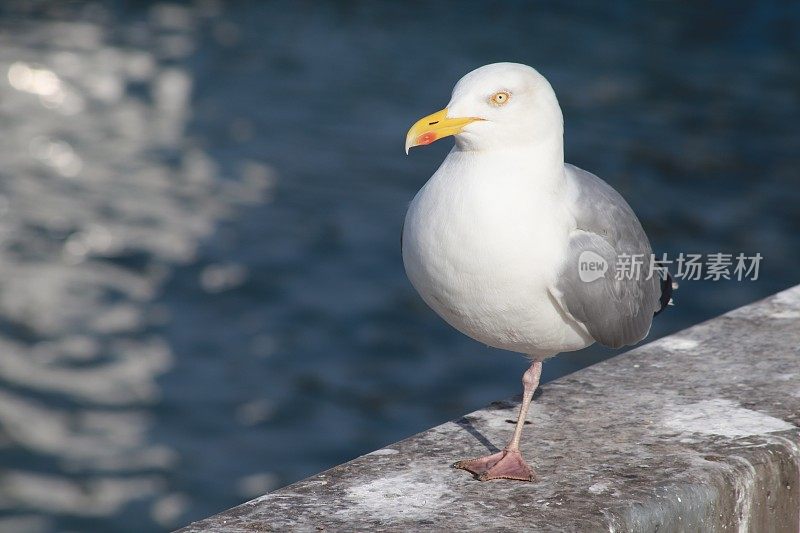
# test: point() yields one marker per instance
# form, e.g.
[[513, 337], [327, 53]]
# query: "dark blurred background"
[[201, 291]]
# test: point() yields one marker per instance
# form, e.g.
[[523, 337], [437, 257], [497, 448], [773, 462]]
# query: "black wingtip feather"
[[667, 287]]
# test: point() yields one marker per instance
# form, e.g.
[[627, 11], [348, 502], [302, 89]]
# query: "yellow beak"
[[435, 127]]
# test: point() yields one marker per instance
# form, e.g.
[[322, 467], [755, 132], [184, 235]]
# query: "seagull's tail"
[[667, 286]]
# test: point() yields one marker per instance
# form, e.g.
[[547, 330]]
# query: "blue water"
[[202, 296]]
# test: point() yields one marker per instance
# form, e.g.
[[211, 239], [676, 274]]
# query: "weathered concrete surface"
[[694, 432]]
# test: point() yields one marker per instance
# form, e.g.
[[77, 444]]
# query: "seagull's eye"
[[500, 98]]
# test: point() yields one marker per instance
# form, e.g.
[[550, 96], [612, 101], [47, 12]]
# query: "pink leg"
[[508, 463]]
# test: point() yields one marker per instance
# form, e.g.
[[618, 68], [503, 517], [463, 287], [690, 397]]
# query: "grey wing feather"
[[615, 312]]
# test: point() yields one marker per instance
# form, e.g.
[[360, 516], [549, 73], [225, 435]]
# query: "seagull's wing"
[[615, 312]]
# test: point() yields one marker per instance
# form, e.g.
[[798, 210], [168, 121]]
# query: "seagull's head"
[[497, 106]]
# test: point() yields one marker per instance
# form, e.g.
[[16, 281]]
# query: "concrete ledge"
[[694, 432]]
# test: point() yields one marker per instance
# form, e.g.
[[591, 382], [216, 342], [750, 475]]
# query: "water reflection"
[[83, 261]]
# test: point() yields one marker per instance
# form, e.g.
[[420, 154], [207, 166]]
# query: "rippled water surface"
[[201, 290]]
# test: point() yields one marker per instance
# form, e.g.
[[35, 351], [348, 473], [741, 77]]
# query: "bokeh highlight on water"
[[202, 295]]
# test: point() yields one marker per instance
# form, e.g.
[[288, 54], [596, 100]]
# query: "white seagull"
[[518, 249]]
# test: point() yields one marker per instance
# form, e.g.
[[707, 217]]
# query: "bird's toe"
[[506, 464]]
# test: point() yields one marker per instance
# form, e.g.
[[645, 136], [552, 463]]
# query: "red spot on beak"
[[426, 138]]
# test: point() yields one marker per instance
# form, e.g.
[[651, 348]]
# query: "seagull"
[[517, 249]]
